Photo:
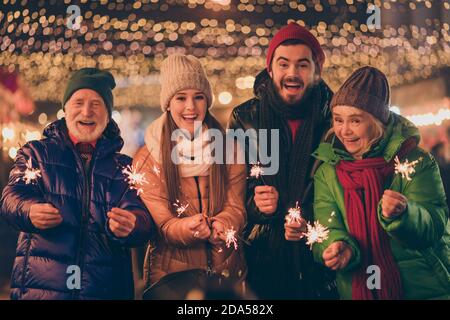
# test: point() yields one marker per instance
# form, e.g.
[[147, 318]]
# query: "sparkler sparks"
[[156, 170], [181, 209], [294, 214], [316, 233], [30, 175], [135, 179], [406, 168], [230, 235], [256, 171]]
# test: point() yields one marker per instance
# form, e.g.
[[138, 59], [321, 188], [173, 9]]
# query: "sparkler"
[[181, 209], [30, 175], [317, 233], [294, 214], [135, 179], [257, 171], [406, 168], [230, 238]]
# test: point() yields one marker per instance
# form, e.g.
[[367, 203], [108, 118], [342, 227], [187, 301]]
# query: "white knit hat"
[[181, 72]]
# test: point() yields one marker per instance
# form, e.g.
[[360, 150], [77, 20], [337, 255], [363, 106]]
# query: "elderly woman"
[[388, 229]]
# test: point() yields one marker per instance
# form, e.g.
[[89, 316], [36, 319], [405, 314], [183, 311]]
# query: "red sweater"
[[294, 124]]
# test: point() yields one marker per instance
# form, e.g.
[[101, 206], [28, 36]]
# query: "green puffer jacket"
[[419, 238]]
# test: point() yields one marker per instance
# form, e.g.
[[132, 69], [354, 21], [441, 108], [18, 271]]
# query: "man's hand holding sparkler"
[[121, 222], [293, 231], [393, 204], [45, 216], [266, 199], [337, 255]]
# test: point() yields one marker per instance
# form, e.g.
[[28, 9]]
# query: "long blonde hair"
[[375, 125], [217, 172]]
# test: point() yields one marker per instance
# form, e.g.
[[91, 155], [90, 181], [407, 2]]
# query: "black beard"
[[305, 96]]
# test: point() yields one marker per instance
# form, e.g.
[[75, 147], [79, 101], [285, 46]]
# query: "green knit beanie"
[[95, 79]]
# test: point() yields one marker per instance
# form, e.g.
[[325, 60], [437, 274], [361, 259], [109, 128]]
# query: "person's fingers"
[[125, 221], [47, 208], [266, 203], [267, 209], [194, 222], [117, 227], [394, 194], [332, 263], [262, 189], [122, 213], [264, 196], [329, 254]]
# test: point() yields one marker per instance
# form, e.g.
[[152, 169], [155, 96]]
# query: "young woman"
[[194, 201], [388, 232]]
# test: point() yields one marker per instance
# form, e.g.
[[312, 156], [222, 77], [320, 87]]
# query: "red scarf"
[[363, 181]]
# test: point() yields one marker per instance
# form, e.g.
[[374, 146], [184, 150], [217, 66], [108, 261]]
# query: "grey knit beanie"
[[181, 72]]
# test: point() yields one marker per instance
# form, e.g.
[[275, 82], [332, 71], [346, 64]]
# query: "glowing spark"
[[156, 170], [406, 168], [231, 239], [332, 215], [295, 214], [256, 171], [30, 175], [180, 208], [135, 179], [316, 233]]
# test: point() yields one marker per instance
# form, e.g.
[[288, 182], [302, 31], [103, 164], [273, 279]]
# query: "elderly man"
[[77, 216], [291, 97]]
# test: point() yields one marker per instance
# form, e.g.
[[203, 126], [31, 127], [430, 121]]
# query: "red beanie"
[[295, 31]]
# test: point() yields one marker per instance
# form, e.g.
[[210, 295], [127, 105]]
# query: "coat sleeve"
[[253, 214], [18, 197], [324, 205], [426, 216], [144, 226], [169, 226]]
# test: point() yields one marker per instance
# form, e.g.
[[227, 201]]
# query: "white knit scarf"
[[194, 155]]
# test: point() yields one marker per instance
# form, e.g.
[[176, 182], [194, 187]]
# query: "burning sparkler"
[[30, 175], [406, 168], [181, 209], [257, 171], [294, 214], [230, 235], [135, 179], [316, 233]]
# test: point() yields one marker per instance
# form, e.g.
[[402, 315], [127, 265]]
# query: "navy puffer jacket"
[[83, 239]]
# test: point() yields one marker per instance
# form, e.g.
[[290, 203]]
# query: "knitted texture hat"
[[181, 72], [100, 81], [294, 31], [367, 89]]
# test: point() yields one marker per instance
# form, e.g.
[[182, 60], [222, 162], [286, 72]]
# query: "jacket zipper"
[[84, 220], [208, 250], [25, 263]]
